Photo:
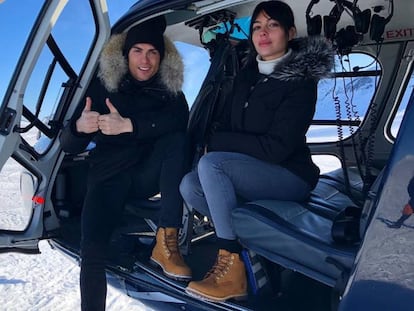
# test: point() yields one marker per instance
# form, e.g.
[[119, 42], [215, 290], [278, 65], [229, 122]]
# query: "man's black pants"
[[161, 172]]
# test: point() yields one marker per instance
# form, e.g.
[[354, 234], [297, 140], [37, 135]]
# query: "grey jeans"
[[223, 179]]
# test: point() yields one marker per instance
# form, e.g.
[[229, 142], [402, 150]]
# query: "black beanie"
[[150, 31]]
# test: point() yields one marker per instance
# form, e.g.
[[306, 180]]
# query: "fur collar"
[[113, 65], [311, 58]]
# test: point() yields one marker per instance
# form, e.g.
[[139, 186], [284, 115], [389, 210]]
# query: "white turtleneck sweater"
[[266, 67]]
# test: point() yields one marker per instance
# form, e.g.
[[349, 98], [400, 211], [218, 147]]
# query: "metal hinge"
[[7, 121]]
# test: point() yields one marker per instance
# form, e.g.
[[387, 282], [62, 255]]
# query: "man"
[[137, 116]]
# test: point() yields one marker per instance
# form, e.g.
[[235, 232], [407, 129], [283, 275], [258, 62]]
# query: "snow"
[[49, 281]]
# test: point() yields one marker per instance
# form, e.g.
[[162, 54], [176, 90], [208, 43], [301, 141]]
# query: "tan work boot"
[[167, 255], [227, 279]]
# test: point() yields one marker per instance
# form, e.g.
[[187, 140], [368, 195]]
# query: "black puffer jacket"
[[155, 107], [270, 115]]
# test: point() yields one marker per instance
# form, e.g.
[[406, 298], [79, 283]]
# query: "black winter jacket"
[[155, 107], [270, 115]]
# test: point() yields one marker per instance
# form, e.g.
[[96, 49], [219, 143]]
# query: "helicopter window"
[[10, 55], [397, 118], [196, 64], [344, 99], [56, 70]]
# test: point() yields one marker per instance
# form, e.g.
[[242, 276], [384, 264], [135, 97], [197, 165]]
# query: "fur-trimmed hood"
[[113, 65], [311, 58]]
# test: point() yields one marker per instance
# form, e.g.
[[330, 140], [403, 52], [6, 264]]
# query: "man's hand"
[[88, 121], [113, 123]]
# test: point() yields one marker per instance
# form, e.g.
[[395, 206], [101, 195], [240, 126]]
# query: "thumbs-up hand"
[[88, 121], [113, 123]]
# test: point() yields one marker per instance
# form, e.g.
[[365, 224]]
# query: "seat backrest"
[[213, 94]]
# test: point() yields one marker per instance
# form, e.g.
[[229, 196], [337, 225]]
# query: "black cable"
[[353, 115], [340, 132], [369, 178]]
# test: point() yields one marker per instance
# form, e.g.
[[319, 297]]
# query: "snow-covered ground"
[[48, 282]]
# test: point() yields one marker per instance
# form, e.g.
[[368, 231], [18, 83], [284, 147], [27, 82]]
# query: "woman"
[[262, 153], [137, 115]]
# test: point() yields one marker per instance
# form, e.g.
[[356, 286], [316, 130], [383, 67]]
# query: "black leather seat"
[[297, 236]]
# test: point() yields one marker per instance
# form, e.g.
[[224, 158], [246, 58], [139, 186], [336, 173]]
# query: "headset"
[[346, 37], [361, 19], [330, 21], [378, 23], [313, 23], [349, 36]]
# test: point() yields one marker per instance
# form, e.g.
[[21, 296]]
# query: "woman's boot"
[[227, 279]]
